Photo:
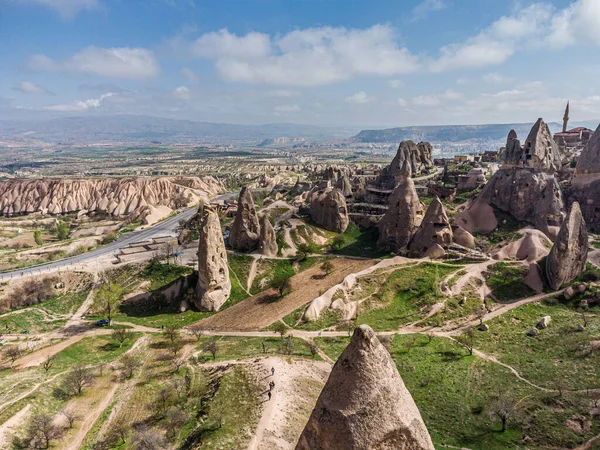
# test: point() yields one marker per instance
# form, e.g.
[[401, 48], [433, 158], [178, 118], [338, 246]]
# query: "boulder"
[[533, 278], [344, 185], [544, 322], [214, 286], [411, 160], [245, 229], [464, 238], [569, 293], [364, 404], [404, 214], [568, 256], [328, 209], [267, 242], [533, 332], [484, 327], [434, 229]]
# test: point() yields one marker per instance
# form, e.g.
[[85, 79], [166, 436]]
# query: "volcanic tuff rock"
[[402, 218], [214, 285], [267, 242], [411, 159], [328, 209], [115, 196], [527, 195], [364, 404], [343, 184], [568, 256], [589, 160], [434, 230], [245, 229], [539, 151]]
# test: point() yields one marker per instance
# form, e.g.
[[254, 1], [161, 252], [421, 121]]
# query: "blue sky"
[[330, 62]]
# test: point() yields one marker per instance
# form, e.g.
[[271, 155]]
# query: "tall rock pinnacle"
[[434, 234], [267, 243], [245, 229], [364, 404], [568, 256], [214, 286]]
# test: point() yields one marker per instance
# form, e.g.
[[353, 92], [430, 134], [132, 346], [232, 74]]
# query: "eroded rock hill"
[[328, 209], [245, 229], [364, 404], [115, 196], [411, 160]]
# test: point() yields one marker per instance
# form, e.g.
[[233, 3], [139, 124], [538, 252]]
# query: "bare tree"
[[13, 353], [171, 333], [480, 314], [164, 399], [503, 408], [48, 363], [287, 345], [71, 417], [467, 340], [197, 331], [312, 348], [129, 364], [145, 438], [41, 431], [561, 386], [176, 346], [121, 335], [212, 347], [175, 419], [583, 309], [101, 367], [77, 379]]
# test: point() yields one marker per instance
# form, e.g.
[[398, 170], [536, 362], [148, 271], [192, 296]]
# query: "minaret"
[[566, 118]]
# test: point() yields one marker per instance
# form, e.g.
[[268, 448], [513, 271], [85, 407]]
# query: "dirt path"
[[90, 417], [11, 425], [284, 416], [261, 310], [76, 318], [252, 273], [30, 391]]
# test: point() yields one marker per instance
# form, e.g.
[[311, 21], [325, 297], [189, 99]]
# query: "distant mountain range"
[[456, 133], [132, 128]]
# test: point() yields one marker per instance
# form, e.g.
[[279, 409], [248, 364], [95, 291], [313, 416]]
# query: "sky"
[[367, 63]]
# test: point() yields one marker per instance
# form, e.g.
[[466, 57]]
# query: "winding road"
[[166, 227]]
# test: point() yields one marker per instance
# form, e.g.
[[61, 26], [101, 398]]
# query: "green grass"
[[403, 295], [360, 243], [90, 351], [234, 348], [33, 320], [506, 282], [65, 304], [559, 352], [268, 269], [236, 406], [327, 319], [161, 275], [169, 318], [240, 264]]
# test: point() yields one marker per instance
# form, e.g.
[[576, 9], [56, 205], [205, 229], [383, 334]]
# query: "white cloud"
[[81, 105], [27, 87], [182, 93], [426, 7], [308, 57], [190, 75], [283, 93], [495, 78], [402, 102], [118, 62], [287, 108], [579, 22], [66, 8], [359, 98], [436, 99], [395, 83]]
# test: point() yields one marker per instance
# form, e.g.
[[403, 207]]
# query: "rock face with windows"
[[434, 234], [245, 229], [411, 160], [538, 152], [365, 404], [404, 214], [328, 209], [568, 256], [214, 286]]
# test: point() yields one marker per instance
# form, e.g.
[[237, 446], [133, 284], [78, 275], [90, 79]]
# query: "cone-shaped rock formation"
[[328, 209], [245, 229], [267, 243], [214, 285], [344, 185], [538, 152], [364, 404], [568, 256], [402, 218], [435, 231], [411, 159]]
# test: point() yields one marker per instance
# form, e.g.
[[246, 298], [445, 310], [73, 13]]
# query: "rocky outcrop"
[[527, 195], [588, 164], [402, 218], [119, 197], [328, 209], [568, 256], [214, 286], [344, 185], [434, 233], [464, 238], [538, 152], [267, 242], [245, 229], [411, 159], [364, 404]]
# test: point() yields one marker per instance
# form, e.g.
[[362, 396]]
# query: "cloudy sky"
[[329, 62]]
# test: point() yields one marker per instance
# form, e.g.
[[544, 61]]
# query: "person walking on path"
[[272, 371], [269, 394]]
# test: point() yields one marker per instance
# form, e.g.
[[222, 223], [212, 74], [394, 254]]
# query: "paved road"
[[164, 228]]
